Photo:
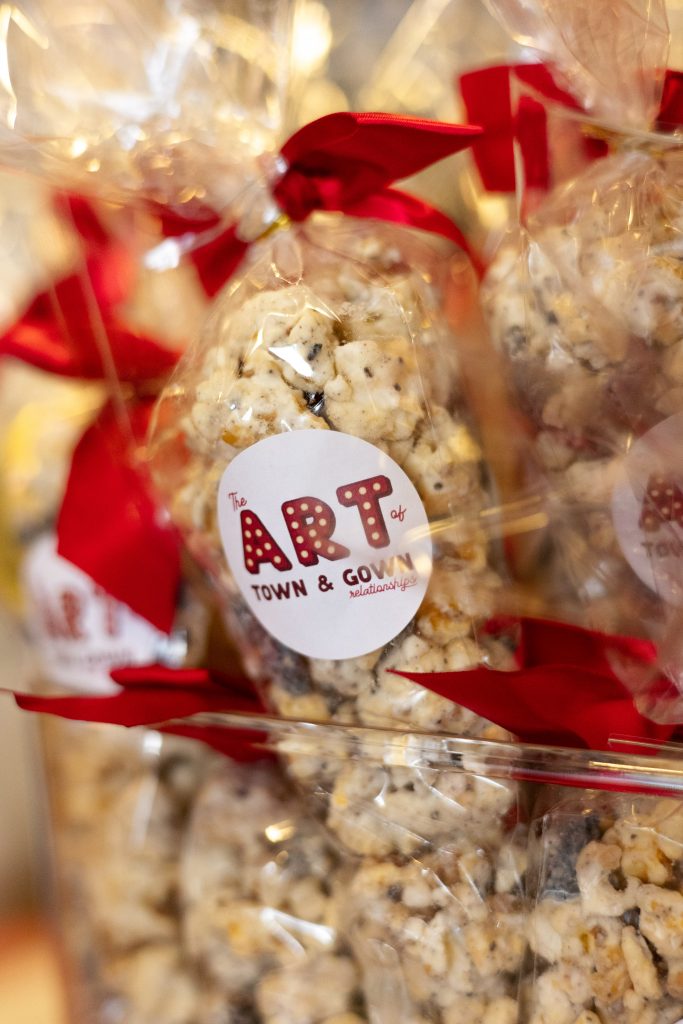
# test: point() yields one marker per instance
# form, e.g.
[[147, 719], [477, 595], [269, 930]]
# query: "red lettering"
[[365, 495], [110, 612], [71, 614], [311, 523], [663, 503], [259, 546]]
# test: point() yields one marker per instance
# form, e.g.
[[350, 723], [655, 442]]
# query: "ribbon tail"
[[108, 524], [153, 709]]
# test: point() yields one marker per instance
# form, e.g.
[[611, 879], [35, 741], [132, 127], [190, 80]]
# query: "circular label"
[[647, 509], [79, 631], [327, 539]]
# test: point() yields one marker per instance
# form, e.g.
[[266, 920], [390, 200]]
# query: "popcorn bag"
[[85, 529], [314, 448], [584, 305], [570, 919], [173, 102]]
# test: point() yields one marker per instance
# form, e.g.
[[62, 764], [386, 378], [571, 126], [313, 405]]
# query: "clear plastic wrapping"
[[570, 915], [119, 806], [262, 893], [335, 328], [118, 802], [174, 101], [585, 306], [604, 928]]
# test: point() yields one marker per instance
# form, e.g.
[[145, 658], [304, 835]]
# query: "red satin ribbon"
[[107, 526], [154, 694], [566, 690], [344, 162], [68, 326], [487, 97]]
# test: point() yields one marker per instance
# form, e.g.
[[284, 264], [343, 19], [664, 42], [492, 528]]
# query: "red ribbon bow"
[[487, 97], [343, 162], [154, 694], [566, 690], [108, 525]]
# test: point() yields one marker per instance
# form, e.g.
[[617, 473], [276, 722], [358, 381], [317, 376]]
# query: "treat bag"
[[388, 911], [169, 102], [584, 305], [118, 802], [262, 888], [604, 931]]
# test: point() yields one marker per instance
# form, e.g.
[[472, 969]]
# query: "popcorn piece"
[[120, 805], [614, 949], [258, 888]]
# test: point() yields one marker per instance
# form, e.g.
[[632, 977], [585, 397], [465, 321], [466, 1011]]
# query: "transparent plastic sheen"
[[567, 914], [173, 101], [336, 328], [585, 303]]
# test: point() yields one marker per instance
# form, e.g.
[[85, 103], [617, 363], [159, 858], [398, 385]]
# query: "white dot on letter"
[[375, 536], [299, 539], [348, 494], [376, 487], [290, 511], [277, 559], [366, 504]]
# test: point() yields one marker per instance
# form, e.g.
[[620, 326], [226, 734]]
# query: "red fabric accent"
[[671, 108], [487, 97], [343, 162], [153, 694], [66, 327], [346, 157], [566, 690], [108, 525]]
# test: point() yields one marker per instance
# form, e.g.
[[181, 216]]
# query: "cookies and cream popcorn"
[[607, 927], [120, 802], [586, 306], [334, 333], [438, 938], [260, 902]]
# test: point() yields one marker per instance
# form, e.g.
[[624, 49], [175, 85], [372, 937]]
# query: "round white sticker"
[[80, 632], [647, 509], [327, 539]]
